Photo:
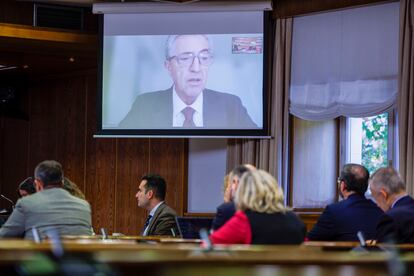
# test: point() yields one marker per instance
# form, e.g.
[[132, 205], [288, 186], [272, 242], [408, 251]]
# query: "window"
[[314, 163], [344, 64], [317, 156], [369, 141]]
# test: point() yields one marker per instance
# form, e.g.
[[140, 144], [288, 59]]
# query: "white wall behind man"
[[206, 170]]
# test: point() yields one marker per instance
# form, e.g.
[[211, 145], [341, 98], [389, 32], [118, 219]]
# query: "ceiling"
[[39, 57], [90, 2], [22, 48], [54, 54]]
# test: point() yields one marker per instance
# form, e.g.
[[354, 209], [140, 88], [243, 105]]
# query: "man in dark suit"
[[188, 104], [227, 209], [150, 196], [341, 221], [397, 223]]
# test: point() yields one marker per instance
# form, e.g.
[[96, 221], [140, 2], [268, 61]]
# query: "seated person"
[[261, 217], [50, 207], [227, 209], [72, 188], [341, 221], [188, 103], [161, 217], [26, 187], [397, 223]]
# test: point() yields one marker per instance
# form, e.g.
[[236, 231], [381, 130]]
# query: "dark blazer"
[[155, 111], [341, 221], [224, 212], [276, 228], [397, 224], [162, 222]]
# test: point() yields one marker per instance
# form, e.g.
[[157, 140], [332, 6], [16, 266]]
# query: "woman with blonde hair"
[[261, 216]]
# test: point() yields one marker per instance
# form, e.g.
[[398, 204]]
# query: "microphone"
[[104, 234], [361, 239], [8, 199]]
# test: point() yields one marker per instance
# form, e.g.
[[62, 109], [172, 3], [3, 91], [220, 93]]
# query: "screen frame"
[[196, 132]]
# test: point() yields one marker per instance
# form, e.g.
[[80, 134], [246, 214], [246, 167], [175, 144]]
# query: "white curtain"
[[345, 63]]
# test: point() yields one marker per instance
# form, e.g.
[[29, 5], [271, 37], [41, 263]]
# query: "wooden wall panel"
[[71, 129], [43, 123], [309, 219], [12, 11], [167, 158], [100, 168], [100, 181], [13, 141], [13, 158], [132, 164], [61, 127]]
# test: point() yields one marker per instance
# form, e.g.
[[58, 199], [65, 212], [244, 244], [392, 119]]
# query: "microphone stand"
[[8, 199]]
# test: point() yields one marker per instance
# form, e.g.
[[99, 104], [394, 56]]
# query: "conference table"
[[171, 256]]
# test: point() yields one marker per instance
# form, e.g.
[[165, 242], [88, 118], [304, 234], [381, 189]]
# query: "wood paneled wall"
[[21, 12], [62, 122]]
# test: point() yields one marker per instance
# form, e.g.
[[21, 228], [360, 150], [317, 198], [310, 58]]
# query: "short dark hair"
[[49, 172], [355, 177], [240, 170], [155, 183], [27, 185]]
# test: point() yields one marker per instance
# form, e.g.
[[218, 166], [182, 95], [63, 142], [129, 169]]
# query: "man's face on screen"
[[188, 65]]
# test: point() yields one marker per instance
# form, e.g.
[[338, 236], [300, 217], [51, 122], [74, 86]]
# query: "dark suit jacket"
[[276, 228], [162, 222], [341, 221], [397, 224], [224, 212], [155, 111]]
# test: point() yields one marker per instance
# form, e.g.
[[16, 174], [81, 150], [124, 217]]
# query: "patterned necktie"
[[188, 117], [146, 223]]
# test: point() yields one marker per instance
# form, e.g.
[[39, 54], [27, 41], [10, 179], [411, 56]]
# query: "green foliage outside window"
[[375, 142]]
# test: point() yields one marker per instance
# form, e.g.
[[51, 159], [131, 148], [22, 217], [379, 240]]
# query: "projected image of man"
[[188, 104]]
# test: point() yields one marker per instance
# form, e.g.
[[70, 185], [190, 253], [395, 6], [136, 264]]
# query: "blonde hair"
[[258, 191]]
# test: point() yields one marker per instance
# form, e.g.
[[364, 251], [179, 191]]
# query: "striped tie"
[[146, 223]]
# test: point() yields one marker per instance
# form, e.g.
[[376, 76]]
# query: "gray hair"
[[389, 179], [171, 41], [49, 172]]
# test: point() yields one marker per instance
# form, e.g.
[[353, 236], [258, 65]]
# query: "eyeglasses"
[[186, 59]]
